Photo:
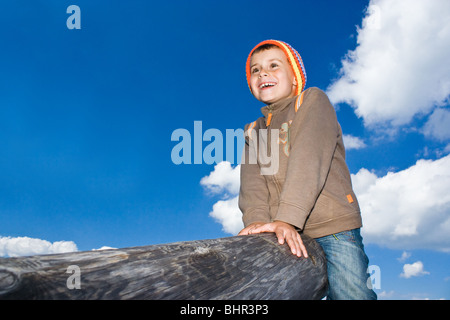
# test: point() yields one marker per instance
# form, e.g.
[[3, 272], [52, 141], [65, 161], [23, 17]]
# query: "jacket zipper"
[[269, 150], [269, 120]]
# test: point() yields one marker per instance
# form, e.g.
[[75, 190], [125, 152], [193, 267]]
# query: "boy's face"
[[271, 76]]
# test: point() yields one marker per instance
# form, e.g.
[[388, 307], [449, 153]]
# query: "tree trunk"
[[241, 267]]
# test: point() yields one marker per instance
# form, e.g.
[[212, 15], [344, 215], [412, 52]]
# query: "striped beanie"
[[294, 60]]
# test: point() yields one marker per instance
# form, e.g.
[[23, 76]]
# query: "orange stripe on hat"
[[293, 57]]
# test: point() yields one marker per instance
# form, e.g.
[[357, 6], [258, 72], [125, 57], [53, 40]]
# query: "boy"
[[310, 190]]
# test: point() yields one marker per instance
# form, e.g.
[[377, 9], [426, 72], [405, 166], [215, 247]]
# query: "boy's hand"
[[283, 231], [246, 231]]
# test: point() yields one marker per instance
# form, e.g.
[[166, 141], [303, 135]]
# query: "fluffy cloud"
[[25, 246], [407, 209], [413, 270], [438, 125], [352, 142], [405, 256], [228, 214], [225, 180], [401, 65], [103, 248]]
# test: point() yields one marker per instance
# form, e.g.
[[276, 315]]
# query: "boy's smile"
[[272, 78]]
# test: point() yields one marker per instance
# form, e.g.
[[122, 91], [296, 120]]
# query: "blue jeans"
[[347, 265]]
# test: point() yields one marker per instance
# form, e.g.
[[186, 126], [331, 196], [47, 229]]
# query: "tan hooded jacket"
[[300, 175]]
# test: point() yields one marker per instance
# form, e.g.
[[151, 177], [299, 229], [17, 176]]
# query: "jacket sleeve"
[[253, 194], [314, 139]]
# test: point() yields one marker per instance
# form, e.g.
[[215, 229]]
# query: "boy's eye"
[[254, 70], [274, 65]]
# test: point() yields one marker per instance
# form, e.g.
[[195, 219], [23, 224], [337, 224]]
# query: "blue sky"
[[87, 116]]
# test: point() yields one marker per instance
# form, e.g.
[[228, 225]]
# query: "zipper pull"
[[269, 118]]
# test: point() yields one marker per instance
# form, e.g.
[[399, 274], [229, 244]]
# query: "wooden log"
[[233, 268]]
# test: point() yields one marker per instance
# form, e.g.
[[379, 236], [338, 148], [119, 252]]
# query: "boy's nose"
[[263, 73]]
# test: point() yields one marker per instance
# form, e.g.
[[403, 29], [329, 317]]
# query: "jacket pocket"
[[322, 211]]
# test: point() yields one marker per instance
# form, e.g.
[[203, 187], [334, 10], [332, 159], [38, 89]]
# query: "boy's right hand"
[[284, 232], [247, 230]]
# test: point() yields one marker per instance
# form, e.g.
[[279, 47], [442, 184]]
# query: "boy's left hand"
[[284, 232]]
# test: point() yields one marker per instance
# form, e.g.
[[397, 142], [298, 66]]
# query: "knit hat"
[[294, 60]]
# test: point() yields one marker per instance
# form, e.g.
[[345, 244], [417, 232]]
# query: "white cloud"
[[25, 246], [413, 270], [228, 214], [363, 180], [405, 256], [401, 65], [226, 180], [352, 142], [103, 248], [407, 209], [438, 125]]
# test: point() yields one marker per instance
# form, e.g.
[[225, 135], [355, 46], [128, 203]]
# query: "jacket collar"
[[276, 107]]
